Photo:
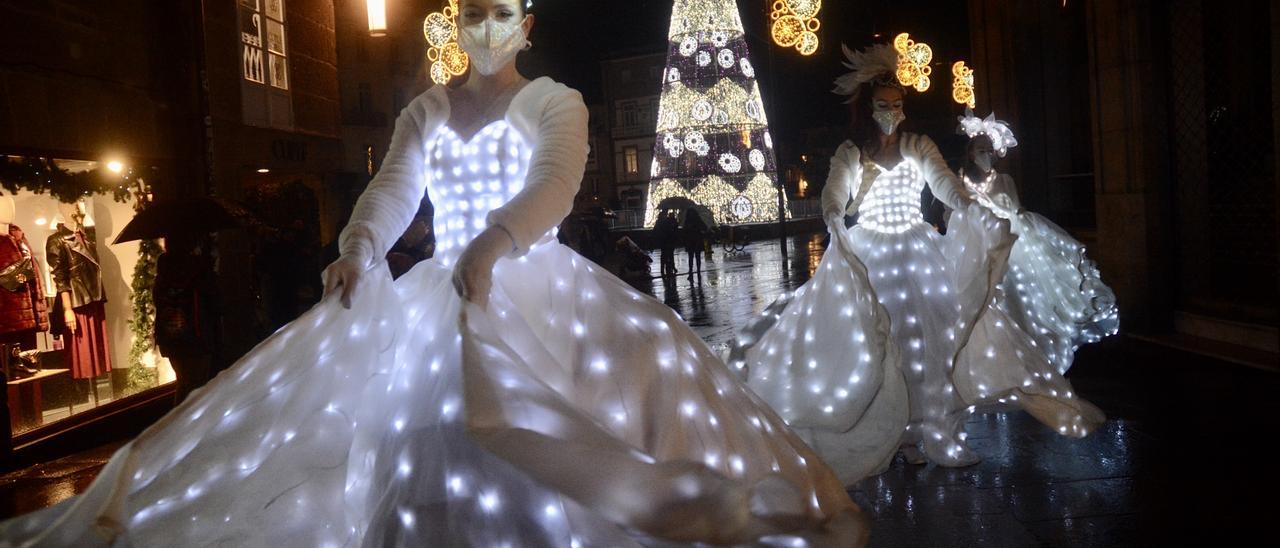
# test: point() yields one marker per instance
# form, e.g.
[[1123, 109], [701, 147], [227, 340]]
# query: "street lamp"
[[377, 17], [115, 166]]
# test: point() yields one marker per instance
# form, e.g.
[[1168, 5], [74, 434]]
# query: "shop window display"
[[67, 306]]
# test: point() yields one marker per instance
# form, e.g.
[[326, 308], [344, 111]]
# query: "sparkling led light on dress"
[[896, 339], [590, 414], [1055, 292]]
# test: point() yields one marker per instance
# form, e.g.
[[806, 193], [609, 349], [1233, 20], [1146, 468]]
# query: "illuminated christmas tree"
[[713, 144]]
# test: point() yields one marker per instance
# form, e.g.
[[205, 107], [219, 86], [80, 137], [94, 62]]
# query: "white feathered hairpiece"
[[1000, 133], [877, 63]]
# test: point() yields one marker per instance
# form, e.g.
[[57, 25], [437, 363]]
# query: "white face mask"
[[888, 120], [983, 161], [492, 45]]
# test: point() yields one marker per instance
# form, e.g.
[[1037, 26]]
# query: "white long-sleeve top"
[[845, 180], [546, 113]]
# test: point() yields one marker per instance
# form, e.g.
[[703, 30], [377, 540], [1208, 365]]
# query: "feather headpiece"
[[1000, 133], [877, 63]]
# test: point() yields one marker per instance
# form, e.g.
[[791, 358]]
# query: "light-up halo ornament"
[[913, 62], [1001, 135], [446, 57], [962, 85], [795, 24]]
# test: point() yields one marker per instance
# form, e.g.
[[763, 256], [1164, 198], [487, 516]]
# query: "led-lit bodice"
[[468, 179], [892, 206]]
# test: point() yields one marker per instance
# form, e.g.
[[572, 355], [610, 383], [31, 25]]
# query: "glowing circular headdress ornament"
[[1000, 133], [903, 65], [962, 85], [441, 31], [795, 24], [913, 62]]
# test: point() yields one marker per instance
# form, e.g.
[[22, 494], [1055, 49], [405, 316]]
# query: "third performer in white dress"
[[900, 333], [1055, 292]]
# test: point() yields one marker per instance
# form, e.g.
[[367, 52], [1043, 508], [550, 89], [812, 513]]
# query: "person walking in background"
[[665, 231], [186, 297], [695, 234]]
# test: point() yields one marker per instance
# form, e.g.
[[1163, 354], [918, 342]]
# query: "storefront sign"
[[290, 151], [265, 96], [262, 43]]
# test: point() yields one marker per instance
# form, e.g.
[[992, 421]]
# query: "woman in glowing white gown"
[[877, 351], [1055, 293], [554, 406]]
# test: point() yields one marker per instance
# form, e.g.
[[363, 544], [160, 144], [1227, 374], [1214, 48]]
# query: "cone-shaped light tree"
[[713, 144]]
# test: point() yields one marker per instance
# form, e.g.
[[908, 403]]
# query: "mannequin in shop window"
[[23, 311], [79, 310]]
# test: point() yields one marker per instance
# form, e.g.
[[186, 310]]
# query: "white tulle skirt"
[[1055, 292], [881, 348], [572, 412]]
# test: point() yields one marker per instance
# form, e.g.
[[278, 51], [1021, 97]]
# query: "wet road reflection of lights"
[[733, 288]]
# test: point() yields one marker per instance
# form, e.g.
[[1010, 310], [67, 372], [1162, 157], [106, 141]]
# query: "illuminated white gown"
[[899, 334], [573, 411], [1056, 292]]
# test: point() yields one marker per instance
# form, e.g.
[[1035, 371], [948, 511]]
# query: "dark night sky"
[[571, 36]]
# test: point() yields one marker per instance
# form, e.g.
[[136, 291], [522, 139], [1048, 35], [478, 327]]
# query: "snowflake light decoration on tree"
[[713, 144]]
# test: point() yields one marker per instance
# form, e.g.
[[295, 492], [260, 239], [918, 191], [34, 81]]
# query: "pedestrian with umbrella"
[[695, 237], [185, 291]]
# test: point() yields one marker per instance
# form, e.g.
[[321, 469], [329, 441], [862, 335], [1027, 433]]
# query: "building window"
[[632, 199], [630, 114], [632, 160], [264, 64]]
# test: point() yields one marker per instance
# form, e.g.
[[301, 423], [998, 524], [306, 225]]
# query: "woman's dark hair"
[[863, 130], [525, 8]]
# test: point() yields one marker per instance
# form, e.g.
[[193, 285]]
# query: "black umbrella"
[[675, 202], [189, 216], [701, 211]]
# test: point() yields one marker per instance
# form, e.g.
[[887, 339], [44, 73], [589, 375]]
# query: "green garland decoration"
[[43, 176], [143, 324]]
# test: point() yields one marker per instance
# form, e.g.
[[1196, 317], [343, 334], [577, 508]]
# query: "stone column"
[[1130, 156], [1275, 116]]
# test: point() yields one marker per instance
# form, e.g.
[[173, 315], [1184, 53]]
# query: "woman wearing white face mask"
[[1052, 291], [861, 360], [504, 392]]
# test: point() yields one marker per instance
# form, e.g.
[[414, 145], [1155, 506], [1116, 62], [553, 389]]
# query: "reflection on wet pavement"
[[734, 287], [1178, 461]]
